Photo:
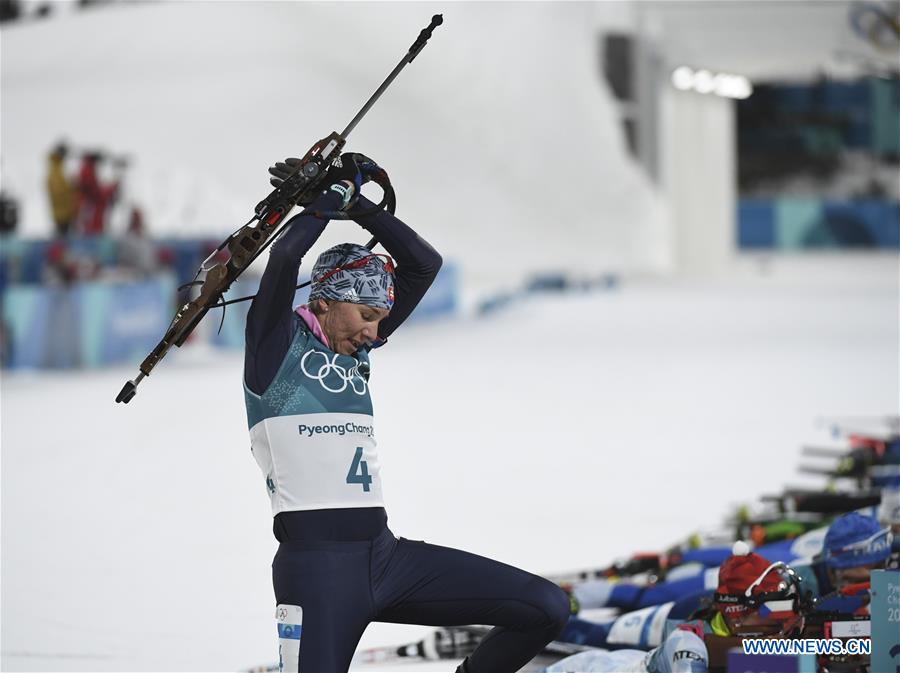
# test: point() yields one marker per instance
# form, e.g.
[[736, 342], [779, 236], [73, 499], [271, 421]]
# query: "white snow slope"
[[562, 433]]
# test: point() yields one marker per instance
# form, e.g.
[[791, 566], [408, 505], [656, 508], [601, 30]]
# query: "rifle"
[[248, 242], [848, 603], [842, 614], [795, 500]]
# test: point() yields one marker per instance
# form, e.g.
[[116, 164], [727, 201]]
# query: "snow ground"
[[560, 433]]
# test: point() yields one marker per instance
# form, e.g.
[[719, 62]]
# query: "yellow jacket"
[[63, 198]]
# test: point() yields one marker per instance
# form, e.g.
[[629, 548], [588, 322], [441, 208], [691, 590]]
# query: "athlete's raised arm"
[[417, 263]]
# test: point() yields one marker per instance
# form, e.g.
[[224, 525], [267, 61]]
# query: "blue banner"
[[84, 324], [122, 322], [801, 224]]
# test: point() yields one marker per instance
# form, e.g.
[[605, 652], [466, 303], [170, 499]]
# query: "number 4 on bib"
[[359, 471]]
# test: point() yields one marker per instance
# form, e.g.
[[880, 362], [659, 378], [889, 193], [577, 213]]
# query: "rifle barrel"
[[436, 20]]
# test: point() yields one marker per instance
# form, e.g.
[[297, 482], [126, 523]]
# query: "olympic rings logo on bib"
[[329, 370]]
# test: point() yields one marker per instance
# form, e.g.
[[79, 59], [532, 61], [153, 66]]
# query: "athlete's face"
[[348, 326]]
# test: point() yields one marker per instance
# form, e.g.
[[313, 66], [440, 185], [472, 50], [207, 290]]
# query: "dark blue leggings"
[[342, 586]]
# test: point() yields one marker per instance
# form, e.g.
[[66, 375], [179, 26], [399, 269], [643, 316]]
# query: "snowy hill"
[[501, 137], [556, 435]]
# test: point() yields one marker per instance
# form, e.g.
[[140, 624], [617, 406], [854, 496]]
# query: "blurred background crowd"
[[96, 237]]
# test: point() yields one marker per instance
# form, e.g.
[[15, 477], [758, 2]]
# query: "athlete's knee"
[[553, 602], [562, 609]]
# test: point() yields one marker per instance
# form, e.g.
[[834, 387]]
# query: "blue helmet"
[[855, 540]]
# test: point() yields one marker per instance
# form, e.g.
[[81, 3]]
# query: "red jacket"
[[93, 199]]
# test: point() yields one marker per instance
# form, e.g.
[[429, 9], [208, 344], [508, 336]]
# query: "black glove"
[[355, 168]]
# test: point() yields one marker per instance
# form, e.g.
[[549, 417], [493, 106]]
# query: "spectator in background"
[[60, 267], [65, 265], [10, 10], [62, 193], [94, 197], [9, 213], [135, 250]]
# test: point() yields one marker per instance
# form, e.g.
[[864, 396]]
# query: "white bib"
[[318, 461]]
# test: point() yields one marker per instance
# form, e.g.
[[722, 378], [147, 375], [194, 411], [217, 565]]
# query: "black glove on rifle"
[[351, 167]]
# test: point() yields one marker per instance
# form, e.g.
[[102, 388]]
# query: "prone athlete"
[[753, 598]]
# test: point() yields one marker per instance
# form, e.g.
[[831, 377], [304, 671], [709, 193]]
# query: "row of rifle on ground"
[[796, 564]]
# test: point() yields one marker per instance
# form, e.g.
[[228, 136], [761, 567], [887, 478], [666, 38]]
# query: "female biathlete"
[[306, 381]]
